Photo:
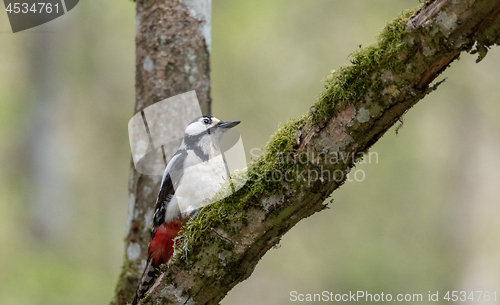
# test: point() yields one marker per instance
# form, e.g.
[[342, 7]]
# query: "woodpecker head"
[[206, 131]]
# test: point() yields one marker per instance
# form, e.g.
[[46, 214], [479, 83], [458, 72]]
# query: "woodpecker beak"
[[227, 125]]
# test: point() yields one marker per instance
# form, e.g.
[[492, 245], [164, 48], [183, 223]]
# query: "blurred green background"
[[425, 218]]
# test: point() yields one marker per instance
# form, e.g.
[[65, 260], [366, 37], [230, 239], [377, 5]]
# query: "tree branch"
[[310, 157]]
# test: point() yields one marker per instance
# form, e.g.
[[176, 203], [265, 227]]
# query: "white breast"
[[199, 181]]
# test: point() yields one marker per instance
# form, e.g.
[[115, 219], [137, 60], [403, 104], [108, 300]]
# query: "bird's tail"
[[148, 278]]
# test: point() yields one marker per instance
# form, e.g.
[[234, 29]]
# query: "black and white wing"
[[167, 189]]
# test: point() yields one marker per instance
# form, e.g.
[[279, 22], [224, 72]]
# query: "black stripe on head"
[[205, 119], [208, 117]]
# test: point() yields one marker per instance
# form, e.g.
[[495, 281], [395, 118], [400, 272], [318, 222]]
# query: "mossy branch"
[[293, 177]]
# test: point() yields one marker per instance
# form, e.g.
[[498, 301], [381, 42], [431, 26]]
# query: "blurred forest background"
[[425, 218]]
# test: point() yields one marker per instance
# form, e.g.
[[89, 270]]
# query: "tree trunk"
[[307, 158], [172, 57]]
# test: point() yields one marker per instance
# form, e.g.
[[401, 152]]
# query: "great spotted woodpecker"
[[195, 172]]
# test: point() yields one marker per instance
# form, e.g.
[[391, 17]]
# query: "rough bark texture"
[[309, 158], [172, 57]]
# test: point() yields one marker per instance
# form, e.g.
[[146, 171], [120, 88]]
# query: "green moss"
[[147, 300], [127, 283], [376, 74], [354, 82], [232, 209], [347, 84]]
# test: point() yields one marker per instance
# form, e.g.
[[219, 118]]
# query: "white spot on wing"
[[169, 166]]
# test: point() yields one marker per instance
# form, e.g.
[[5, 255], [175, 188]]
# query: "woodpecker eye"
[[206, 121]]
